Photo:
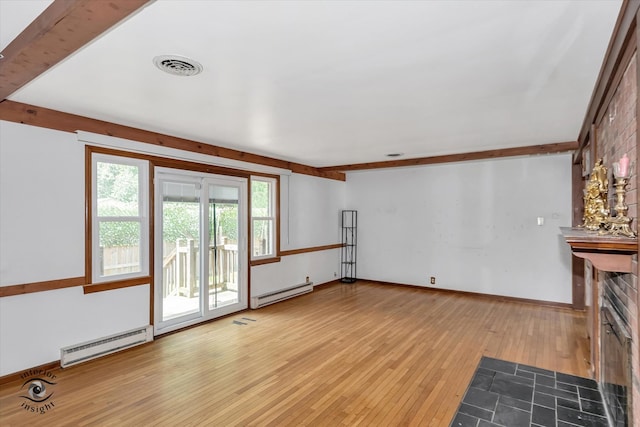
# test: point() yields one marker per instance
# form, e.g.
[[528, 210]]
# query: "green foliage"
[[117, 186], [180, 221], [260, 198], [119, 233], [227, 218], [117, 194]]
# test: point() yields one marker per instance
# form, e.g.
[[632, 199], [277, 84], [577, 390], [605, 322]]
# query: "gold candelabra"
[[621, 223], [597, 214]]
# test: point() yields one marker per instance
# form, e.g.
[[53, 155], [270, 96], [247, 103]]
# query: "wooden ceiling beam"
[[68, 25], [623, 34], [557, 147], [63, 28], [51, 119]]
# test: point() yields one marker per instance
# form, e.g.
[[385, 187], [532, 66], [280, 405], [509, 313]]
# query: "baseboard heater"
[[101, 347], [282, 294]]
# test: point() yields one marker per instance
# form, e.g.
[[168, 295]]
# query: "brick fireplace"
[[616, 372], [616, 134], [609, 131]]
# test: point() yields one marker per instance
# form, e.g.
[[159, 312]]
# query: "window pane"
[[119, 247], [260, 198], [262, 237], [117, 189]]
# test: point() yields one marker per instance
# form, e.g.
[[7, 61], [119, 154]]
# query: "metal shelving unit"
[[349, 246]]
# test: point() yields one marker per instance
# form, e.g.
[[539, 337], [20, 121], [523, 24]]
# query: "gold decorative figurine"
[[595, 196]]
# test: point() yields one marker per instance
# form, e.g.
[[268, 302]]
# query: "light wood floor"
[[363, 354]]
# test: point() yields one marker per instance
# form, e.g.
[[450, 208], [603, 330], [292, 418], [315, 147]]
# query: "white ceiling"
[[329, 83]]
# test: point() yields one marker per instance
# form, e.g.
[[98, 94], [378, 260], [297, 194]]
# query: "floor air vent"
[[92, 349], [283, 294]]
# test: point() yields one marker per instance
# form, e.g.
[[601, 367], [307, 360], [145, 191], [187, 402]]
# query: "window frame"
[[143, 219], [273, 182]]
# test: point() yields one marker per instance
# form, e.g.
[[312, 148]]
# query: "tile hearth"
[[510, 394]]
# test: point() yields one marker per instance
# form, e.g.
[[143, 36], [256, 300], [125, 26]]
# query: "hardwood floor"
[[361, 354]]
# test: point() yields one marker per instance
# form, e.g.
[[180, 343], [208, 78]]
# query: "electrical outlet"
[[433, 280], [307, 279]]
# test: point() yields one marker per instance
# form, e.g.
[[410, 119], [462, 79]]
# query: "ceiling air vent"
[[177, 65]]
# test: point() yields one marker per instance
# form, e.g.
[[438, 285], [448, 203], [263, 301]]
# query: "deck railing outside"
[[181, 268]]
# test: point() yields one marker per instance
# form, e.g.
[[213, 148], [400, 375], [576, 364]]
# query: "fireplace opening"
[[616, 367]]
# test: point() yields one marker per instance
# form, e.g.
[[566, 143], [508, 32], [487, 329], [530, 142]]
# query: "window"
[[263, 217], [120, 220]]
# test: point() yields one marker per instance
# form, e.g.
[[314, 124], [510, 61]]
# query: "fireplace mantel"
[[606, 252]]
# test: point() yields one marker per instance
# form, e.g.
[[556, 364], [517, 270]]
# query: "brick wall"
[[617, 135]]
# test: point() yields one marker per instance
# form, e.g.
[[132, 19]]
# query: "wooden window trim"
[[86, 282], [263, 261], [111, 284], [117, 284], [154, 161], [276, 222], [295, 252], [172, 163], [311, 249], [49, 285]]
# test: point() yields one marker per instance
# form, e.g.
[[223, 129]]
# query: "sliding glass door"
[[200, 247]]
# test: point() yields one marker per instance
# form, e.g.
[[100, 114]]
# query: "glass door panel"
[[180, 250], [223, 246], [201, 247]]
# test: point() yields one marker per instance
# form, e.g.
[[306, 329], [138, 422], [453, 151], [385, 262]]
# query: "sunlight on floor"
[[174, 306]]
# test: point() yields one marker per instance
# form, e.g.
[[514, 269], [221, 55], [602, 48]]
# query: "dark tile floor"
[[510, 394]]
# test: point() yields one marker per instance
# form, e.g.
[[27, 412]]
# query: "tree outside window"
[[120, 219], [263, 217]]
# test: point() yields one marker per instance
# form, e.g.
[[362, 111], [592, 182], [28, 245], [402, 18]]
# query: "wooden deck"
[[361, 354]]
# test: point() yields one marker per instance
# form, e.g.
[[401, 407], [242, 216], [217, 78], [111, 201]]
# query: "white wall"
[[33, 327], [472, 225], [310, 216], [41, 205], [292, 270], [42, 238], [310, 211]]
